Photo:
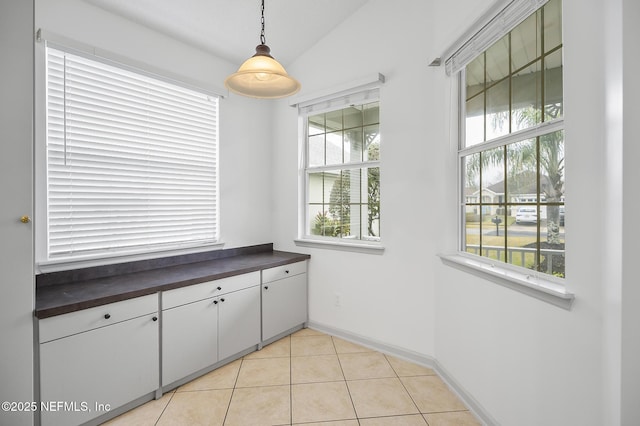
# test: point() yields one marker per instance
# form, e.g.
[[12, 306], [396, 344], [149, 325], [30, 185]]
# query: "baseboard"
[[417, 358]]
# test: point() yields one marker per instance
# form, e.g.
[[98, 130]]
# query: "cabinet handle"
[[155, 318], [266, 287], [286, 272], [107, 316], [219, 288], [222, 300], [215, 302]]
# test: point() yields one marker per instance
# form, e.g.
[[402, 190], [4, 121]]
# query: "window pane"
[[493, 175], [316, 188], [472, 178], [474, 75], [474, 124], [319, 222], [525, 42], [553, 86], [552, 25], [526, 98], [333, 148], [552, 166], [497, 61], [371, 113], [472, 229], [352, 224], [373, 200], [316, 150], [552, 243], [315, 124], [334, 120], [497, 117], [353, 145], [522, 236], [522, 186], [372, 143], [352, 117]]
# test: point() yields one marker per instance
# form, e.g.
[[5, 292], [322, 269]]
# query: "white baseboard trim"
[[417, 358]]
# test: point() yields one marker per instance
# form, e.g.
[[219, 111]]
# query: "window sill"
[[344, 246], [540, 288]]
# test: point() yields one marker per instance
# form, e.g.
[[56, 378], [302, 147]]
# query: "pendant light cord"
[[262, 38]]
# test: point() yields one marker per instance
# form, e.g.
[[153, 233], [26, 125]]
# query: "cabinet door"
[[102, 369], [189, 339], [239, 321], [284, 305]]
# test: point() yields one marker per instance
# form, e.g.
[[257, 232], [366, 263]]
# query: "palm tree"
[[544, 156]]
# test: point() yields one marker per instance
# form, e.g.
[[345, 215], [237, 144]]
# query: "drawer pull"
[[219, 288], [222, 300], [215, 302], [155, 318], [107, 316], [286, 271], [266, 287]]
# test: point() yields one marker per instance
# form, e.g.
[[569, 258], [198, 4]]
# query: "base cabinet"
[[87, 374], [189, 339], [207, 323], [284, 299], [99, 359], [238, 321]]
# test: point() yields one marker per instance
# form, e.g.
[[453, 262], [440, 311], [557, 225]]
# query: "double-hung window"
[[131, 161], [511, 152], [341, 146]]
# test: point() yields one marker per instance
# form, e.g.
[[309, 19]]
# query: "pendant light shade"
[[261, 76]]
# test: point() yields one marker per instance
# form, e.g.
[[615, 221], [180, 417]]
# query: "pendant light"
[[261, 76]]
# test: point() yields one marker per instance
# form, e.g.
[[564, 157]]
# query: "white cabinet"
[[189, 339], [284, 298], [95, 360], [206, 323], [238, 321]]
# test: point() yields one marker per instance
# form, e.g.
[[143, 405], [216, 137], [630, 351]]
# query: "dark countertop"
[[85, 292]]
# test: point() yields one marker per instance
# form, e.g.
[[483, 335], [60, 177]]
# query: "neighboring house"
[[522, 189]]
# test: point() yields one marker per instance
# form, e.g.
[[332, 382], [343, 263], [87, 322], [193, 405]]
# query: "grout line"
[[290, 382], [233, 390], [173, 393]]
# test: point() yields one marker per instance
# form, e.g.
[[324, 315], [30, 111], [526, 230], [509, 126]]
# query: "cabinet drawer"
[[284, 271], [88, 319], [193, 293]]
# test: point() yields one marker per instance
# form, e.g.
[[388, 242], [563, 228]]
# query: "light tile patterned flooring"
[[309, 378]]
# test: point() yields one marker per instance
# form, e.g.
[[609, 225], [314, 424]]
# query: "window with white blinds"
[[132, 161]]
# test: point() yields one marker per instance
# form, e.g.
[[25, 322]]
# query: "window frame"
[[539, 285], [358, 96], [43, 262]]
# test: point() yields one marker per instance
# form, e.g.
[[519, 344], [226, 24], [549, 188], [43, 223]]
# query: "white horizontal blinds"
[[132, 161], [489, 33]]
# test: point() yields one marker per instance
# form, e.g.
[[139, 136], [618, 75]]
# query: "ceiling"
[[230, 29]]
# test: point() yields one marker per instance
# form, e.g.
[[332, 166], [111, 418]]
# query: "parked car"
[[527, 215]]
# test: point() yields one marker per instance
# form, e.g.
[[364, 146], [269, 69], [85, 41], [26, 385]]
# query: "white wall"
[[524, 361], [245, 143], [16, 243], [387, 298], [630, 294]]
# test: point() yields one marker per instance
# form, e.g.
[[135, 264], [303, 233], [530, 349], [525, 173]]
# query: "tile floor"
[[308, 378]]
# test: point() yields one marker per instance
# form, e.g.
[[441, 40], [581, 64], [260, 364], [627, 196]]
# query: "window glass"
[[343, 188], [512, 165]]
